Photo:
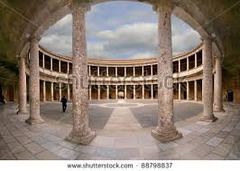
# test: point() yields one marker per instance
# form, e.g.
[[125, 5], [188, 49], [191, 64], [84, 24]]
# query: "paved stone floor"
[[123, 132]]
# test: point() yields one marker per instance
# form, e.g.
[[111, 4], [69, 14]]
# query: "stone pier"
[[81, 133], [165, 131]]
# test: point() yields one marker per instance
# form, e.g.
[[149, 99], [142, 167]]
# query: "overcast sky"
[[119, 30]]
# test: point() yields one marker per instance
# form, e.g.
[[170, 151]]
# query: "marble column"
[[165, 131], [107, 71], [116, 71], [116, 91], [81, 133], [134, 91], [218, 106], [60, 91], [52, 92], [179, 91], [34, 84], [99, 92], [44, 91], [59, 64], [195, 60], [43, 60], [68, 92], [187, 63], [51, 63], [187, 90], [207, 81], [179, 66], [107, 92], [98, 71], [143, 91], [134, 71], [68, 71], [195, 91], [22, 87], [125, 91], [151, 91]]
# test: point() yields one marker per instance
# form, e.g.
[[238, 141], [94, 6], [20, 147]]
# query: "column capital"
[[166, 4], [83, 5], [34, 38], [207, 38]]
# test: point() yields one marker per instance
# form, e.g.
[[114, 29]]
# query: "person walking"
[[64, 103]]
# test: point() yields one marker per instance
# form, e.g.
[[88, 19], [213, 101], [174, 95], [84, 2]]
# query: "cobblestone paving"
[[201, 140]]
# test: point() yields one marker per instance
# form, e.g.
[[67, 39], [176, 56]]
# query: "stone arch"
[[185, 10]]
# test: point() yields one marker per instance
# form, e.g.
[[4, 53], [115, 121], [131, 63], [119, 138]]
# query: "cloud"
[[117, 35], [132, 37]]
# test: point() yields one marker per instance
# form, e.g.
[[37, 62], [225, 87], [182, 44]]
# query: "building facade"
[[120, 79]]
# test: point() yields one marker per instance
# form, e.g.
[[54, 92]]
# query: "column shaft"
[[60, 91], [81, 133], [52, 92], [68, 92], [134, 91], [207, 81], [151, 91], [218, 106], [22, 87], [107, 92], [44, 91], [99, 92], [195, 90], [34, 84], [187, 90], [165, 131], [179, 91]]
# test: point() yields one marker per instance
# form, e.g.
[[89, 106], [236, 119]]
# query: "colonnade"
[[81, 133]]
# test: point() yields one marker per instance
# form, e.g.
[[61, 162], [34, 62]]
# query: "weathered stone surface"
[[218, 106], [81, 132], [34, 90], [166, 131], [22, 87], [207, 90]]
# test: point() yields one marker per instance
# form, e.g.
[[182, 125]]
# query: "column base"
[[166, 136], [83, 139], [218, 109], [208, 118], [33, 121], [22, 112]]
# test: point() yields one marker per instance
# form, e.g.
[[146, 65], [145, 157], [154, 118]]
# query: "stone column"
[[143, 91], [151, 70], [99, 92], [68, 68], [116, 91], [107, 92], [187, 63], [34, 84], [165, 131], [134, 71], [52, 93], [151, 91], [68, 92], [143, 71], [116, 71], [207, 81], [43, 60], [60, 91], [195, 60], [59, 64], [125, 91], [218, 106], [187, 90], [44, 91], [179, 91], [134, 91], [179, 66], [195, 90], [81, 133], [22, 87], [51, 63], [107, 71], [89, 71]]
